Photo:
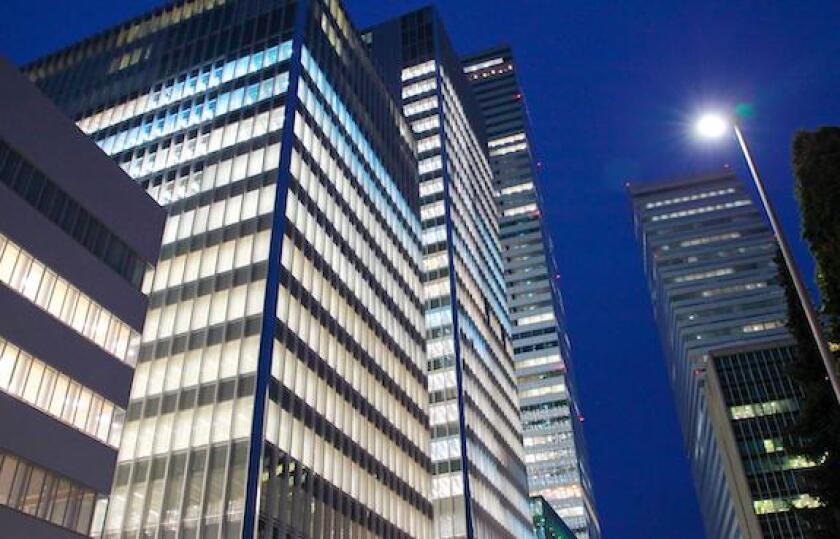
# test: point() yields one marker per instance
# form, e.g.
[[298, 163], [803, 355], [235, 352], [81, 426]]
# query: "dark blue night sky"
[[611, 88]]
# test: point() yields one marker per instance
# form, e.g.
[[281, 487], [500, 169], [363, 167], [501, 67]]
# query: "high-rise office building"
[[479, 486], [709, 260], [76, 237], [281, 379], [555, 453]]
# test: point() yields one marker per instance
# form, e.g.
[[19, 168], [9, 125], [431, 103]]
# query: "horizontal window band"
[[329, 227], [306, 247], [344, 389], [223, 192], [45, 495], [193, 340], [56, 394], [324, 429], [340, 201], [293, 485], [513, 427], [208, 285], [319, 312], [54, 295], [189, 397], [210, 238], [226, 152], [196, 98]]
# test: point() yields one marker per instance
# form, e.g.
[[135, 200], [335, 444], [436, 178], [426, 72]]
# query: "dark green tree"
[[816, 163], [815, 434]]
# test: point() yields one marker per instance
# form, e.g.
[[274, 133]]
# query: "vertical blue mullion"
[[255, 450], [456, 342]]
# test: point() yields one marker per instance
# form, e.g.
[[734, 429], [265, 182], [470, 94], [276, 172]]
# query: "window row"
[[219, 214], [43, 387], [204, 311], [518, 188], [215, 422], [171, 152], [417, 70], [57, 206], [210, 261], [498, 152], [703, 209], [203, 178], [38, 492], [541, 391], [235, 358], [539, 361], [688, 198], [185, 86], [191, 114], [21, 272]]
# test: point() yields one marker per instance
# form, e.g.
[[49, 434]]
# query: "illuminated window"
[[24, 274]]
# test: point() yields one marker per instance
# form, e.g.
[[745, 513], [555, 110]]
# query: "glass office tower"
[[555, 453], [281, 386], [71, 313], [479, 486], [709, 259]]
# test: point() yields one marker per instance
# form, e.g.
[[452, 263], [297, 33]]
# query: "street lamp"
[[715, 126]]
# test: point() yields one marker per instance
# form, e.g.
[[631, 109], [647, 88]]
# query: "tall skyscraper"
[[709, 259], [479, 487], [76, 237], [555, 452], [281, 380]]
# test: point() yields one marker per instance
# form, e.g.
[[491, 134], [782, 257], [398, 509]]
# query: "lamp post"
[[715, 126]]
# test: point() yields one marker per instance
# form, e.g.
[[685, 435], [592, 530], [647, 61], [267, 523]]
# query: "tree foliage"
[[816, 162]]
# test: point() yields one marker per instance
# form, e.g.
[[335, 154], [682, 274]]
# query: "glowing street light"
[[712, 126], [715, 126]]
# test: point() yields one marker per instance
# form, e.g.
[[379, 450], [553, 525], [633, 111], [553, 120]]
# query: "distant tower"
[[709, 260], [555, 451], [479, 485]]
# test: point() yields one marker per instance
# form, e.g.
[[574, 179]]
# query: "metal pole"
[[804, 298]]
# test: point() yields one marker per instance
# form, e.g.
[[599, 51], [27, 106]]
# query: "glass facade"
[[555, 452], [762, 403], [38, 384], [709, 259], [479, 484], [281, 384], [22, 273], [40, 493]]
